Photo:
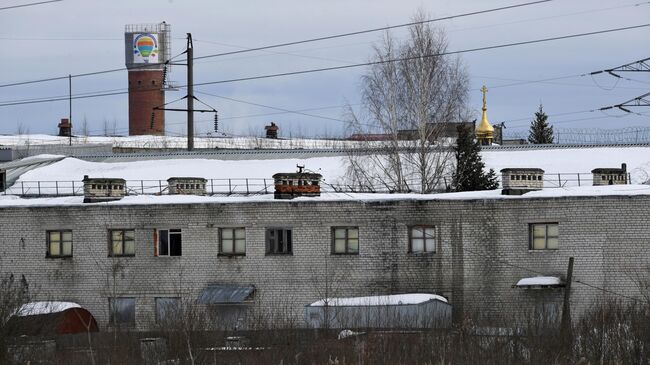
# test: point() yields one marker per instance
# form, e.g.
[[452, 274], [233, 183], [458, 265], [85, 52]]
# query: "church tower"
[[484, 131]]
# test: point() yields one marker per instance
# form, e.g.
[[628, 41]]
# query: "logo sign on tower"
[[145, 48]]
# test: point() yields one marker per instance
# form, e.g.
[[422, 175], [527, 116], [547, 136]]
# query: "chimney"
[[294, 184], [103, 189], [519, 181], [65, 128], [186, 185]]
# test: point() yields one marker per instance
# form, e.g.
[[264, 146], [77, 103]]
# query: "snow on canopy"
[[539, 280], [397, 299], [36, 308]]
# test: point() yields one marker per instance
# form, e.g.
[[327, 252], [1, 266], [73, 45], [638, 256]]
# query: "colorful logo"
[[145, 48]]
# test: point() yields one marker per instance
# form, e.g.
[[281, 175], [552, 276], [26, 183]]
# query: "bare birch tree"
[[408, 97]]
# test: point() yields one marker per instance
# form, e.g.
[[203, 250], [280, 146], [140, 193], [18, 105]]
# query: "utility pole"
[[190, 93], [70, 108]]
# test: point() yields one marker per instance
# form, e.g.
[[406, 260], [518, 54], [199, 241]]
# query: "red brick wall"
[[145, 93]]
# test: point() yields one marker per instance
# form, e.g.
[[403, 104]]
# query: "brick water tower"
[[148, 47]]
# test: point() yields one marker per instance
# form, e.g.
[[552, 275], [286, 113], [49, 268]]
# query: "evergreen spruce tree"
[[470, 174], [540, 131]]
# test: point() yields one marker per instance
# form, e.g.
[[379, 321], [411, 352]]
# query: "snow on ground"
[[539, 280], [36, 308], [397, 299]]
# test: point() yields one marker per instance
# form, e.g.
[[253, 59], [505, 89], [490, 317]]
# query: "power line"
[[296, 42], [30, 4], [318, 39], [292, 73]]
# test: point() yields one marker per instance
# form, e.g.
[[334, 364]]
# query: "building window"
[[169, 242], [345, 240], [59, 243], [232, 241], [121, 310], [122, 242], [167, 308], [543, 236], [422, 239], [279, 241]]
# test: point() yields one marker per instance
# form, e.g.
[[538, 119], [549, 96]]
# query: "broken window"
[[122, 242], [543, 236], [121, 310], [279, 241], [59, 243], [232, 241], [345, 240], [169, 242], [167, 308], [422, 239]]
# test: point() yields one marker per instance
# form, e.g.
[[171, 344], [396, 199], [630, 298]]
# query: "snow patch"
[[539, 280], [397, 299], [35, 308]]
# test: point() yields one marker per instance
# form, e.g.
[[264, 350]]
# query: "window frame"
[[347, 239], [156, 312], [270, 251], [531, 237], [176, 231], [48, 242], [111, 252], [112, 320], [424, 238], [234, 239]]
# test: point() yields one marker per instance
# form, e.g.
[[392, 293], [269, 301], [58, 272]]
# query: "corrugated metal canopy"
[[225, 294]]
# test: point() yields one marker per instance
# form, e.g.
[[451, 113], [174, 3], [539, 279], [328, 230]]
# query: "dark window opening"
[[279, 241]]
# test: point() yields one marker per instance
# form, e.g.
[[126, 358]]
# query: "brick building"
[[248, 255]]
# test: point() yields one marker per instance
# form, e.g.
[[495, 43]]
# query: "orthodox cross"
[[484, 91]]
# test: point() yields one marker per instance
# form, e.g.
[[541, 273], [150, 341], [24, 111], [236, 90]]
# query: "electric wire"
[[30, 4], [295, 42]]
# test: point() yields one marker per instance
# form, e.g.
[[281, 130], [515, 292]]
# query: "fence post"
[[559, 180], [73, 189], [160, 186], [229, 187], [578, 179], [22, 187], [212, 186], [266, 191], [142, 186], [247, 192], [38, 183]]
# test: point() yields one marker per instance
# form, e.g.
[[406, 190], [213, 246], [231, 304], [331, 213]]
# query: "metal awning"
[[539, 282], [226, 294]]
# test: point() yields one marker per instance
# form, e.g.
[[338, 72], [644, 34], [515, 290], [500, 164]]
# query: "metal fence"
[[255, 186]]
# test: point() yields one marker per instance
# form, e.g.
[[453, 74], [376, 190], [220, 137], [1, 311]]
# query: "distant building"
[[65, 128], [271, 131]]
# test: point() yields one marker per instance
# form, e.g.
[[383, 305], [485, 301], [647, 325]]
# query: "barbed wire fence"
[[629, 135]]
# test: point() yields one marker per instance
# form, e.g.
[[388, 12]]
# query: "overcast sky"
[[77, 36]]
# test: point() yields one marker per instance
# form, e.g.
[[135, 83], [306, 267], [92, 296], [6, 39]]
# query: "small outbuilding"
[[414, 310], [186, 185], [518, 181], [610, 176], [3, 180], [289, 185], [51, 318], [103, 189]]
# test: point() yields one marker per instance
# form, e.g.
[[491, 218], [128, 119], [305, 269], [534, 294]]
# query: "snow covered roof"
[[36, 308], [539, 281], [397, 299]]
